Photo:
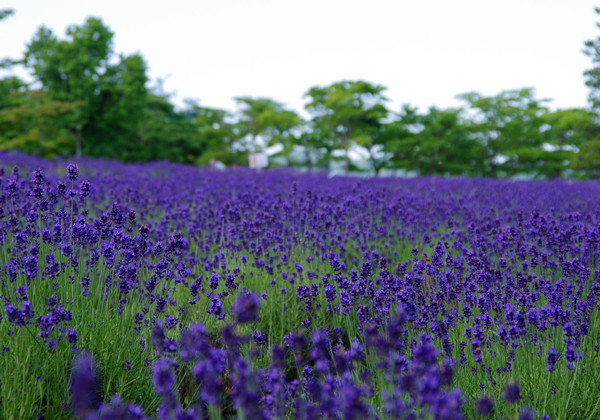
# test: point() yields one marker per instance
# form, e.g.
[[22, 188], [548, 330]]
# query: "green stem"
[[547, 390], [571, 387], [214, 412], [594, 411]]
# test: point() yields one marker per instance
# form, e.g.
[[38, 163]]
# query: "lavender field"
[[176, 292]]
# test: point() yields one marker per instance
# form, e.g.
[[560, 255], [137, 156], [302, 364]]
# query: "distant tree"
[[592, 75], [167, 133], [4, 13], [6, 63], [307, 149], [191, 135], [217, 134], [79, 69], [571, 128], [347, 113], [437, 142], [9, 88], [32, 122], [509, 126], [587, 161], [266, 118], [446, 146], [404, 142], [566, 132], [374, 141]]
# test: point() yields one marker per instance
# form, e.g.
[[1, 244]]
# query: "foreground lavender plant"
[[218, 293]]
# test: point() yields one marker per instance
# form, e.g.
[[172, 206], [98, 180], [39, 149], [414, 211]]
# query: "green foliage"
[[93, 102], [267, 118], [588, 159], [570, 127], [509, 126], [436, 143], [32, 122], [347, 114], [216, 133], [166, 133], [77, 69], [592, 75], [4, 13]]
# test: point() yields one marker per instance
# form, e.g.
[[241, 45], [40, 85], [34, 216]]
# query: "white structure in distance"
[[258, 160]]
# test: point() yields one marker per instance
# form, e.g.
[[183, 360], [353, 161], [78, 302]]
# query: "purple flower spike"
[[71, 336], [72, 172], [552, 358], [245, 309], [512, 392], [85, 396], [484, 406], [163, 377]]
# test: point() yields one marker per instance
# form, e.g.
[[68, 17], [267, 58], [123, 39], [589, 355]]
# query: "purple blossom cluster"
[[326, 387], [364, 296]]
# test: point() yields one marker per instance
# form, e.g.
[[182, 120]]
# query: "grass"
[[34, 380]]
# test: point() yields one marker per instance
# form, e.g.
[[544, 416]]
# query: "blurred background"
[[463, 88]]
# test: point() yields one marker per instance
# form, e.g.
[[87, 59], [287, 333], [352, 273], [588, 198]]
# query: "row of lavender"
[[278, 295]]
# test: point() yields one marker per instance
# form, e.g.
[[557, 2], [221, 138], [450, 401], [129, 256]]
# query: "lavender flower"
[[163, 377], [245, 309], [72, 171], [85, 393], [512, 392], [484, 406]]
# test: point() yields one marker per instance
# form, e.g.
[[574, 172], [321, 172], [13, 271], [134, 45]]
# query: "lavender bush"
[[166, 291]]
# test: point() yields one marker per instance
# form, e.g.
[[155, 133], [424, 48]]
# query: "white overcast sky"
[[424, 51]]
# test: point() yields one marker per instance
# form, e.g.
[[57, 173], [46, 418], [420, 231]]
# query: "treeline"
[[87, 100]]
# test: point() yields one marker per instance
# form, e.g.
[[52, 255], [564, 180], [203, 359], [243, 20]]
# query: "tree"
[[437, 142], [567, 132], [266, 118], [6, 63], [32, 122], [4, 13], [216, 133], [78, 69], [592, 75], [167, 133], [348, 113], [588, 159], [509, 127], [570, 128]]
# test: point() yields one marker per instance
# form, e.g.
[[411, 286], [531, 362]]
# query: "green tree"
[[587, 160], [6, 63], [437, 142], [266, 118], [32, 122], [403, 141], [4, 13], [509, 127], [191, 135], [571, 128], [167, 133], [347, 114], [566, 132], [217, 134], [592, 75], [79, 69]]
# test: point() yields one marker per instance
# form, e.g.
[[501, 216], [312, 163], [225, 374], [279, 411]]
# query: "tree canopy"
[[87, 99]]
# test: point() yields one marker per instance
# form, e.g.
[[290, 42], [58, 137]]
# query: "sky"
[[425, 52]]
